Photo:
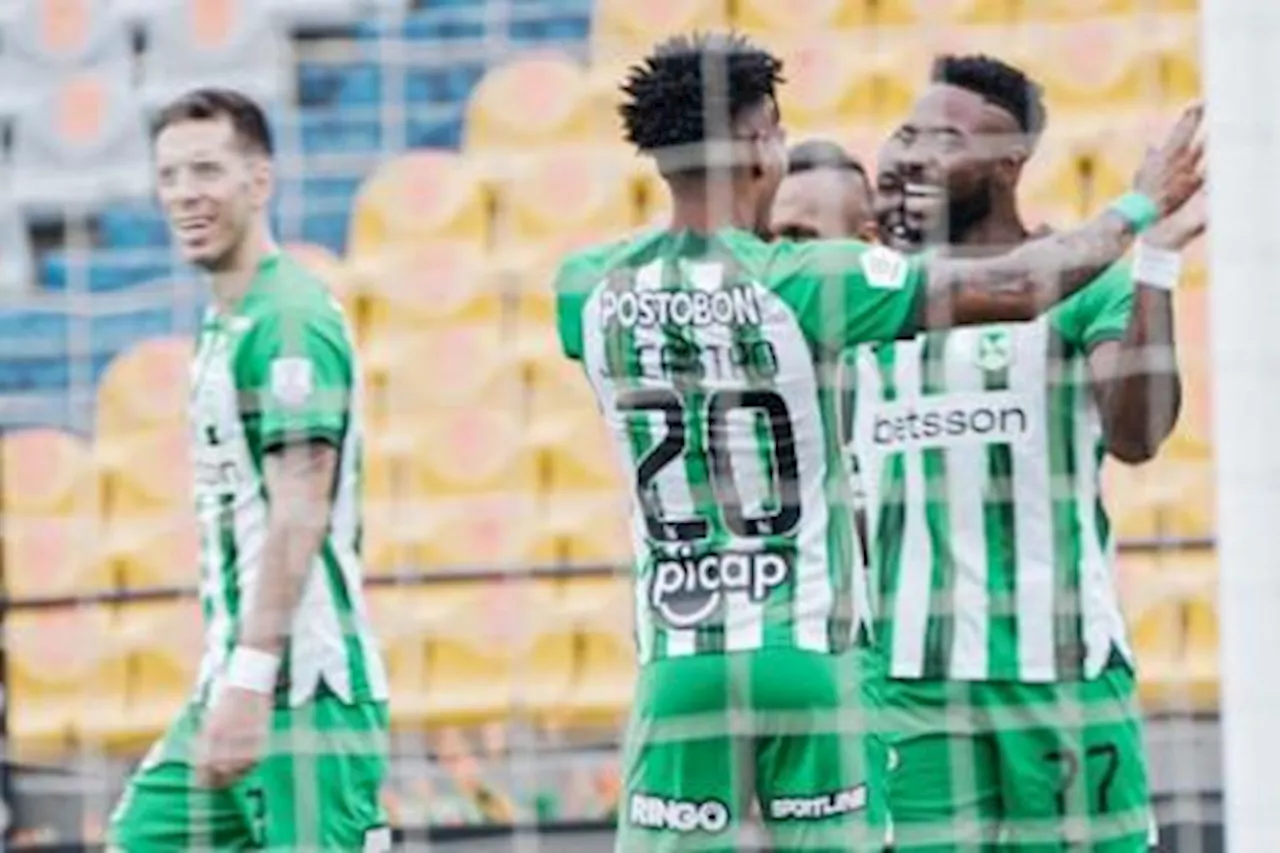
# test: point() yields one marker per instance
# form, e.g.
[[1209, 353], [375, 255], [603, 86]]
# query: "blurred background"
[[435, 160]]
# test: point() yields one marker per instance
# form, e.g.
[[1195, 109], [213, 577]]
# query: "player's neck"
[[703, 210], [998, 233], [232, 282]]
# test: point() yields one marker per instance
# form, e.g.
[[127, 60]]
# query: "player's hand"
[[1180, 228], [1173, 171], [233, 737]]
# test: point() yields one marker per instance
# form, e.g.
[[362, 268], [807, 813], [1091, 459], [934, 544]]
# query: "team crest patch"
[[292, 380], [995, 350], [884, 268]]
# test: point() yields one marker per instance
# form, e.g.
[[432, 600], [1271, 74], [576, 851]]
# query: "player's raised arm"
[[1023, 283]]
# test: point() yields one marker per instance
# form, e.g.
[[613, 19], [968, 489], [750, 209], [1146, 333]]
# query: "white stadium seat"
[[230, 43], [79, 146]]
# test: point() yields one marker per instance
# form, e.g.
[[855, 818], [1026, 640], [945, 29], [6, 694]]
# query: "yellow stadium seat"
[[146, 472], [529, 281], [1168, 499], [161, 550], [592, 528], [402, 616], [490, 533], [54, 558], [578, 452], [1068, 11], [603, 610], [1191, 316], [480, 449], [1202, 665], [945, 13], [1091, 62], [562, 198], [512, 662], [829, 80], [624, 28], [423, 195], [1156, 615], [165, 643], [604, 89], [47, 474], [536, 100], [1052, 188], [763, 19], [443, 369], [1178, 58], [146, 387], [438, 282], [66, 677]]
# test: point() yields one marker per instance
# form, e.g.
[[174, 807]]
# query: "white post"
[[1241, 43]]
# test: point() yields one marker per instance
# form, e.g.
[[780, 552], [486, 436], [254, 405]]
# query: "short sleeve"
[[574, 282], [846, 292], [293, 374], [1100, 311]]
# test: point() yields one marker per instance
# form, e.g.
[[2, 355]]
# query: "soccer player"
[[706, 347], [826, 194], [282, 746], [1011, 697]]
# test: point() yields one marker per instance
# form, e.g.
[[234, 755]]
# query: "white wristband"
[[1160, 268], [253, 669]]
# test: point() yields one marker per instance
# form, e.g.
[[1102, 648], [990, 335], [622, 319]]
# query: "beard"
[[967, 210]]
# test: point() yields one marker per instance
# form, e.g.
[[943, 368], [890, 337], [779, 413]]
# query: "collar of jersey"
[[215, 319]]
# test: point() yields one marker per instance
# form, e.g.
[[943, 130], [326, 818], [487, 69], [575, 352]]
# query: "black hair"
[[817, 154], [686, 80], [998, 83], [248, 120]]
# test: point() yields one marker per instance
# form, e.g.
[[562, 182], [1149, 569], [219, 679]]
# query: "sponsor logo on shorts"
[[822, 806], [688, 592], [683, 816]]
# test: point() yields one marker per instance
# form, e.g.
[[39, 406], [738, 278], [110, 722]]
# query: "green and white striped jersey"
[[280, 368], [709, 357], [980, 452]]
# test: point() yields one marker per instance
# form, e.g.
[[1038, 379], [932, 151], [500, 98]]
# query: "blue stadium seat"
[[16, 262], [447, 83], [132, 226], [354, 84], [103, 270], [561, 23], [442, 21], [335, 131]]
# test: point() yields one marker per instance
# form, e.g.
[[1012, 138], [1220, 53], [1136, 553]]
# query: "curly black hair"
[[690, 89], [998, 83]]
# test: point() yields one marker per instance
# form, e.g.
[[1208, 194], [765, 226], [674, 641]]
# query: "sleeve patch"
[[292, 381], [884, 268]]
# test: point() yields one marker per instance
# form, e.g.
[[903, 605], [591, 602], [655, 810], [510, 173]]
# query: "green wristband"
[[1138, 209]]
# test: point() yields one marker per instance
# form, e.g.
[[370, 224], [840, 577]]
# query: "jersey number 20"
[[718, 462]]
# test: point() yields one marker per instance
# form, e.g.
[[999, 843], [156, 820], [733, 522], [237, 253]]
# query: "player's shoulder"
[[822, 260], [582, 270]]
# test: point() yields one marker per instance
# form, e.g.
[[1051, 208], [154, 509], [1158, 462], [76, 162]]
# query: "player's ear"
[[262, 176]]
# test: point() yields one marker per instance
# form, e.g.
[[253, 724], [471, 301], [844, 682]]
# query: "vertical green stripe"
[[887, 537], [1066, 403], [1000, 524], [940, 633], [841, 561]]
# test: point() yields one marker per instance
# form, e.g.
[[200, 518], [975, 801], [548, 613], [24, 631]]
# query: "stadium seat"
[[145, 471], [764, 20], [446, 369], [165, 643], [144, 388], [47, 474], [591, 529], [65, 679], [1168, 500], [1070, 11], [1155, 609], [509, 663], [81, 145], [829, 80], [534, 101], [500, 532], [411, 289], [562, 198], [155, 550], [603, 610], [626, 29], [423, 195], [1178, 59], [54, 558], [474, 450], [1092, 61], [45, 39], [577, 450], [233, 43], [402, 617], [1053, 182], [927, 14]]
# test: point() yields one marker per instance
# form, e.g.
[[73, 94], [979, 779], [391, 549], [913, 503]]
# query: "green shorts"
[[713, 737], [318, 789], [1034, 768]]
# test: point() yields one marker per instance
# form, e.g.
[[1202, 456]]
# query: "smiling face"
[[211, 186], [944, 169], [823, 203]]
